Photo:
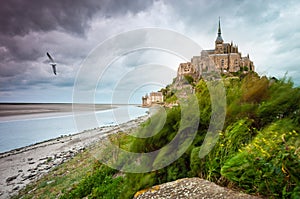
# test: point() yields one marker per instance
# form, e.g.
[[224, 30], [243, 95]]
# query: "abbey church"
[[225, 57]]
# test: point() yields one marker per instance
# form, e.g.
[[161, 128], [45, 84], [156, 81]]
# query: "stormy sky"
[[70, 30]]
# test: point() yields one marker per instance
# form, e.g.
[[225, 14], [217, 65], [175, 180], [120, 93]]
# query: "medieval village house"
[[153, 98]]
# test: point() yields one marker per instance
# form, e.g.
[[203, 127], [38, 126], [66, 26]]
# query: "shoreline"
[[17, 130], [22, 166], [24, 111]]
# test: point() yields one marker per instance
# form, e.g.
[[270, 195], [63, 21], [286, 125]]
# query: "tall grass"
[[258, 150]]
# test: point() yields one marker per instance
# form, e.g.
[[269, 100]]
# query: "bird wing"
[[54, 69], [50, 57]]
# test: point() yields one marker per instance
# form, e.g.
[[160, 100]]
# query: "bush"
[[229, 142], [271, 161], [99, 184], [283, 102]]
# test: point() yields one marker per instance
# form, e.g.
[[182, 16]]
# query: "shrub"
[[283, 102], [271, 161], [229, 142], [99, 184]]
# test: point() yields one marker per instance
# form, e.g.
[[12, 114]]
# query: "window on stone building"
[[236, 63], [222, 63]]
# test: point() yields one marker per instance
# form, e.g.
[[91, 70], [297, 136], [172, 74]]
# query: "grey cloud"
[[201, 15], [20, 48], [21, 17], [30, 28], [25, 75], [258, 12], [69, 83], [7, 70]]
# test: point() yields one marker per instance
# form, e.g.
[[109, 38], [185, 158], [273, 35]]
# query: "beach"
[[22, 166], [26, 124], [39, 137]]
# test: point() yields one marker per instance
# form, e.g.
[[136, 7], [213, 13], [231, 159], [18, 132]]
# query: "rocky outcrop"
[[191, 188]]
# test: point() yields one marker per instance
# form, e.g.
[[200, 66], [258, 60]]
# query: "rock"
[[16, 188], [9, 179], [44, 167], [191, 188], [45, 158], [29, 176], [68, 155], [29, 159], [39, 164], [31, 162], [32, 190], [58, 156], [50, 182], [82, 148], [57, 161]]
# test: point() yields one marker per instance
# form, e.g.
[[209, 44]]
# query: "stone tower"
[[219, 41]]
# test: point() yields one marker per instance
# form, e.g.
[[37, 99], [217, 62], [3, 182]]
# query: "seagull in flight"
[[52, 63]]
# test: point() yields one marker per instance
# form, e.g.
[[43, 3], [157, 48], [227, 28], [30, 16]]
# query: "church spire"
[[219, 39], [219, 29]]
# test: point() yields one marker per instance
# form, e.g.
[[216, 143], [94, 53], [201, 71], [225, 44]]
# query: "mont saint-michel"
[[225, 56]]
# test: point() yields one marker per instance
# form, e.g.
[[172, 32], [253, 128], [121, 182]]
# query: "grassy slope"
[[258, 150]]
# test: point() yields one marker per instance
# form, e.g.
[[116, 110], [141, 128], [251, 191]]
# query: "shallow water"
[[29, 129]]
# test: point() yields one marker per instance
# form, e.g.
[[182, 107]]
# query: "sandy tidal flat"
[[22, 166], [15, 111]]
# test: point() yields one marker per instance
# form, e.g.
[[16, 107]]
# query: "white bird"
[[52, 63]]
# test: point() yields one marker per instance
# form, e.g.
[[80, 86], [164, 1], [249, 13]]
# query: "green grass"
[[258, 150]]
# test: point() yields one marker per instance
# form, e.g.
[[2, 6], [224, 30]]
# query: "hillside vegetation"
[[258, 150]]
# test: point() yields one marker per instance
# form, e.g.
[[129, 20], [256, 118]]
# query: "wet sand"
[[18, 111], [22, 166]]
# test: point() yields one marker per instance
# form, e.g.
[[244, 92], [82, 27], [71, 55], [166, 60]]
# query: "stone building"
[[153, 98], [225, 57]]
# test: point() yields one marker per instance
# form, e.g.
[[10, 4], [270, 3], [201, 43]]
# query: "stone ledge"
[[191, 188]]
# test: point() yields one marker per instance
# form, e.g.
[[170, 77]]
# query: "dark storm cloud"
[[20, 17], [22, 21], [30, 28]]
